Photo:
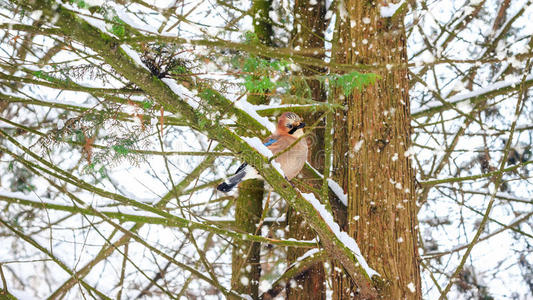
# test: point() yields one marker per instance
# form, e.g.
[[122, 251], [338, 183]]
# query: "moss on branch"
[[108, 48]]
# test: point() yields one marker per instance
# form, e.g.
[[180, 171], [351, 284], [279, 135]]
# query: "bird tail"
[[232, 181]]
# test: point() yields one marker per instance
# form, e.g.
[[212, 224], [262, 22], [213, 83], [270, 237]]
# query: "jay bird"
[[288, 130]]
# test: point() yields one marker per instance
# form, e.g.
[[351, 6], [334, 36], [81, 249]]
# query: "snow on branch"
[[346, 240], [183, 92], [333, 185], [133, 54], [390, 10], [337, 189], [333, 241], [251, 110], [494, 89]]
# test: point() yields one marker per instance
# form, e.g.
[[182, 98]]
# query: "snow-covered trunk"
[[381, 213], [308, 33]]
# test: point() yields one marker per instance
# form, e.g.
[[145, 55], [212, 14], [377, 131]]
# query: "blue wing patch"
[[270, 142]]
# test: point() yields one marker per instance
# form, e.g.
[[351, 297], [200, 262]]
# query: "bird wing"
[[279, 144], [270, 140]]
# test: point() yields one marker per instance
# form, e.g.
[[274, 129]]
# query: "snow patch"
[[343, 13], [123, 15], [347, 240], [96, 21], [183, 92], [411, 287], [465, 107], [36, 14], [358, 146], [339, 192], [245, 281], [304, 256], [410, 152], [133, 55], [20, 294], [395, 157], [258, 145], [264, 286], [509, 82], [334, 186], [428, 57], [389, 11], [251, 110], [94, 2], [277, 166]]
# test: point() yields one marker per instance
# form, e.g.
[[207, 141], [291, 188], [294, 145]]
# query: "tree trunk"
[[246, 256], [246, 267], [381, 212], [308, 33]]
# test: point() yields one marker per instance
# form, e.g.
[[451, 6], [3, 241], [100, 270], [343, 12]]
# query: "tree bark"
[[308, 33], [246, 267], [107, 47], [381, 212], [246, 256]]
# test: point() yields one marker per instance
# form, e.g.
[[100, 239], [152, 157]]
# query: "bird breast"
[[294, 159]]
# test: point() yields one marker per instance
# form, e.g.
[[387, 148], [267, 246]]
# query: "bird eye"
[[289, 126]]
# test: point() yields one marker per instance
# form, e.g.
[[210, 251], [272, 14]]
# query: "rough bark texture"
[[381, 212], [308, 34], [246, 257], [262, 23], [246, 267], [310, 283], [107, 47]]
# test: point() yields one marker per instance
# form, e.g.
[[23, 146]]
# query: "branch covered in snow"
[[216, 106]]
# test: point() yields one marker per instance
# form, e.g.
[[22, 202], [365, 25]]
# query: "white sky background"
[[495, 261]]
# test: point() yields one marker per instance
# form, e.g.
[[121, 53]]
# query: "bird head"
[[290, 123]]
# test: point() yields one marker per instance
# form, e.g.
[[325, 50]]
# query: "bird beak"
[[293, 130]]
